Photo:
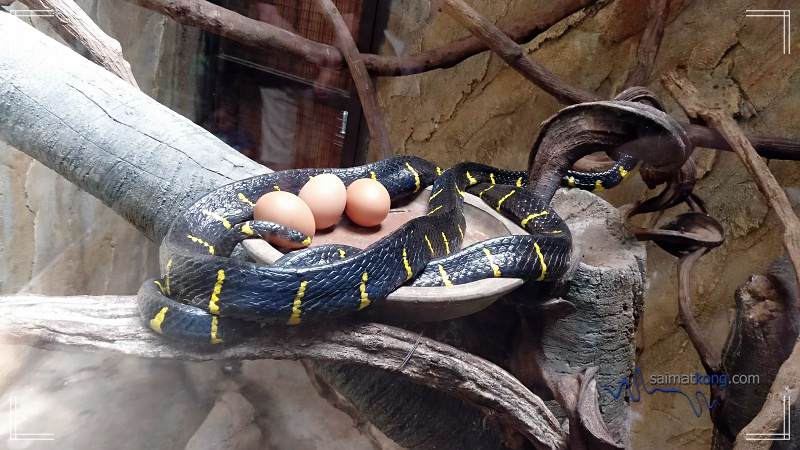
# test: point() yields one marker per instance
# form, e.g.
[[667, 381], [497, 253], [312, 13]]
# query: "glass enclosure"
[[278, 110]]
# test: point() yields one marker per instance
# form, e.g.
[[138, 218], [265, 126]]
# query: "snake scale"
[[205, 296]]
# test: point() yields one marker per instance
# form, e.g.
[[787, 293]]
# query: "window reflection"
[[279, 110]]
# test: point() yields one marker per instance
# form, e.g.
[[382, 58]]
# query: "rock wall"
[[482, 110]]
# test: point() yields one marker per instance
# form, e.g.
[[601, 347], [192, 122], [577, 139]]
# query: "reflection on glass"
[[279, 110]]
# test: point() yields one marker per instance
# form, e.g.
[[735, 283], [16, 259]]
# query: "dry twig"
[[379, 135], [788, 378], [69, 21]]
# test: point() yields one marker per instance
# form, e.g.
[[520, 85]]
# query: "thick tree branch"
[[69, 21], [207, 16], [650, 43], [767, 324], [787, 383], [379, 135], [520, 30], [112, 323], [788, 378], [226, 23], [768, 147], [514, 55], [93, 128], [691, 101]]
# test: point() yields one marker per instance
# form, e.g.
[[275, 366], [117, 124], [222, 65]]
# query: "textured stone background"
[[482, 110]]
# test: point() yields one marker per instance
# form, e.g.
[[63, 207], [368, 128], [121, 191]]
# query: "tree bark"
[[104, 135], [767, 323]]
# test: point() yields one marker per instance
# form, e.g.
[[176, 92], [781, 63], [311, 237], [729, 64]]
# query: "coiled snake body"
[[205, 296]]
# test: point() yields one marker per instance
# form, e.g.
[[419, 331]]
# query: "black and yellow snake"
[[206, 296]]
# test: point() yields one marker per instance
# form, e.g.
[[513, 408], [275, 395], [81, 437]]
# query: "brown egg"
[[326, 196], [286, 209], [368, 202]]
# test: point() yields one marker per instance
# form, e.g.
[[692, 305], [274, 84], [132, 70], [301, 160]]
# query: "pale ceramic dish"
[[419, 304]]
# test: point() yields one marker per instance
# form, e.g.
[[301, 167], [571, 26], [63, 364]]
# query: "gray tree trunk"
[[138, 157]]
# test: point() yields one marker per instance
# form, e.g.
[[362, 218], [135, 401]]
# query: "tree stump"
[[608, 292]]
